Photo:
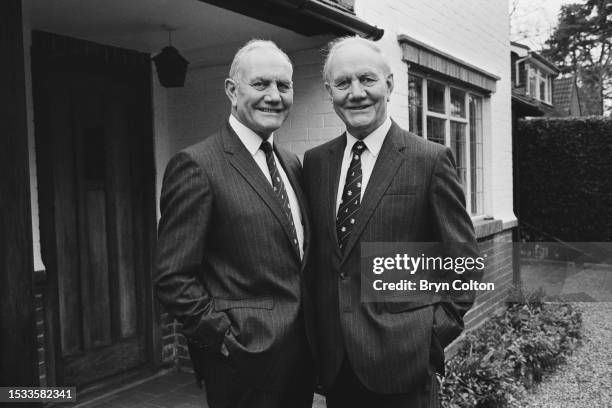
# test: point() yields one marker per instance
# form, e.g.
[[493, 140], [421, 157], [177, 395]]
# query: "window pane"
[[435, 97], [542, 89], [415, 105], [549, 93], [457, 144], [457, 103], [435, 130], [531, 90], [476, 171]]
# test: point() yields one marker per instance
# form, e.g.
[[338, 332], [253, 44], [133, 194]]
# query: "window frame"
[[540, 76], [448, 118]]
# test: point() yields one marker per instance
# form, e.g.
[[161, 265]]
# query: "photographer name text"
[[437, 287]]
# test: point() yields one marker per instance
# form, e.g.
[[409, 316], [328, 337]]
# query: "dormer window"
[[539, 84], [532, 74]]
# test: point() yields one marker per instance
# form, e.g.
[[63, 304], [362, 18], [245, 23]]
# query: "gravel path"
[[586, 379]]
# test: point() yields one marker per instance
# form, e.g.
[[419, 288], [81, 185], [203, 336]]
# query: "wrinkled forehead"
[[356, 59], [265, 63]]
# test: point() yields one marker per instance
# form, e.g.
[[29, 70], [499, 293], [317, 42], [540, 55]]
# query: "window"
[[435, 97], [452, 117], [532, 79], [539, 84], [415, 107], [476, 166], [549, 81]]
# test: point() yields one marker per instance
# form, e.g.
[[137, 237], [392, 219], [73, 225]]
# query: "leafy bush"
[[564, 174], [509, 353]]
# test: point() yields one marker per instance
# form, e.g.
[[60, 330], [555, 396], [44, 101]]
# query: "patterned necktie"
[[351, 197], [279, 188]]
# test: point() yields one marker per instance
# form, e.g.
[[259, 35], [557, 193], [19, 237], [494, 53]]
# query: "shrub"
[[564, 174], [509, 353]]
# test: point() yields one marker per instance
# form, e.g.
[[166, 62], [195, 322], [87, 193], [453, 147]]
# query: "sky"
[[533, 21]]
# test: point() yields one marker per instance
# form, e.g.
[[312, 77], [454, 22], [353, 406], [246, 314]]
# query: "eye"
[[283, 86], [259, 85], [367, 80], [343, 84]]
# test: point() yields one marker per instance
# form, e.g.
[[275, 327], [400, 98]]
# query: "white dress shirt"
[[252, 141], [373, 143]]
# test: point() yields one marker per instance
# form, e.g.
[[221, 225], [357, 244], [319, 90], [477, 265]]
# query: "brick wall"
[[498, 251], [198, 109], [477, 32], [189, 114]]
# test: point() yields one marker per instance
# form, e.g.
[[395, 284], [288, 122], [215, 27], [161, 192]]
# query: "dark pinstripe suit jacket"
[[226, 267], [413, 195]]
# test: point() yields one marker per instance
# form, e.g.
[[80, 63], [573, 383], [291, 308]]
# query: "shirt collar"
[[374, 140], [250, 140]]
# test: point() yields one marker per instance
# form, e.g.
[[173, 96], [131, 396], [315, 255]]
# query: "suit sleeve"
[[186, 205], [453, 226]]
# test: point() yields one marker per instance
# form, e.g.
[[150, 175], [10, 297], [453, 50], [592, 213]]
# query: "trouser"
[[347, 391], [227, 388]]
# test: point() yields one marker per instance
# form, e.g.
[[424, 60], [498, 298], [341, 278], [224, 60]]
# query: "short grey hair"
[[338, 43], [250, 46]]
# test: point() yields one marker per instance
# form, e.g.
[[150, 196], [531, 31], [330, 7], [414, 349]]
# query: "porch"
[[89, 132]]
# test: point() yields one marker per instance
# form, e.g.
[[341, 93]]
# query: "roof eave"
[[335, 16]]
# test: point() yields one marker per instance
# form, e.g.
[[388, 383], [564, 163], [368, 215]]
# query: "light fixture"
[[170, 64]]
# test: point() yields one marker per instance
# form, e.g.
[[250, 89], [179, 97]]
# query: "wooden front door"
[[93, 171]]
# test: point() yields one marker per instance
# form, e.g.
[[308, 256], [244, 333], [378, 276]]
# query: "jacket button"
[[343, 275]]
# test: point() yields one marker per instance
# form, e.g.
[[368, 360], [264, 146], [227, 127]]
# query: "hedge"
[[565, 177]]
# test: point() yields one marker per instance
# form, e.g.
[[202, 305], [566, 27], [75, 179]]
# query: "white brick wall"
[[198, 109], [477, 32], [184, 116]]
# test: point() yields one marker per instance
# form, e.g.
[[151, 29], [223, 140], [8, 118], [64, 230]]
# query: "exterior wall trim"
[[431, 59]]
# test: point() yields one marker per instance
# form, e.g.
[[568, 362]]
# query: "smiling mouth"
[[268, 110], [358, 108]]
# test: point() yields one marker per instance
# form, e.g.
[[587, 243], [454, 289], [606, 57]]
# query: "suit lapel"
[[240, 158], [334, 165], [389, 160]]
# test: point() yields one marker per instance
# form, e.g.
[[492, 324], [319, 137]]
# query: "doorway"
[[94, 154]]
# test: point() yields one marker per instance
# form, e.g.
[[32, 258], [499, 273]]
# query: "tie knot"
[[266, 147], [359, 147]]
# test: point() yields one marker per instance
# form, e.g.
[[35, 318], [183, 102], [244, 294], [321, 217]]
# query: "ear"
[[328, 88], [389, 82], [230, 90]]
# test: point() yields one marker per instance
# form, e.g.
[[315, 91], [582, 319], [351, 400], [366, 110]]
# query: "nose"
[[356, 90], [272, 94]]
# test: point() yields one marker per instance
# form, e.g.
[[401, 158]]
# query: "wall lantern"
[[171, 66]]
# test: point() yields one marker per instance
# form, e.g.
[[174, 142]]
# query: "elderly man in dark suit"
[[378, 183], [233, 239]]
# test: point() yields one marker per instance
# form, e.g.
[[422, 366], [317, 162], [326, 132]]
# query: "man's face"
[[262, 92], [360, 86]]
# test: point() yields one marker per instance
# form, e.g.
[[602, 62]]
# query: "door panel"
[[90, 120]]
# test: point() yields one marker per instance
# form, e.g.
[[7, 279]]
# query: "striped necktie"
[[351, 196], [279, 188]]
